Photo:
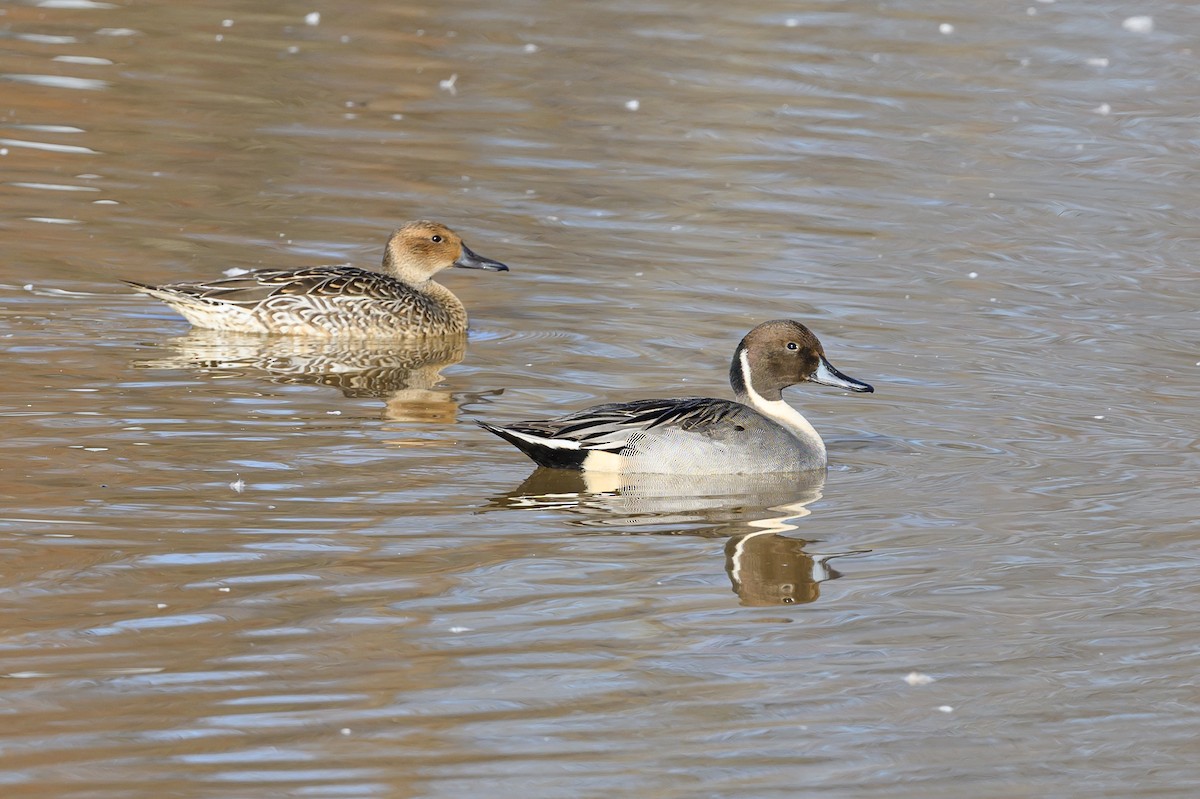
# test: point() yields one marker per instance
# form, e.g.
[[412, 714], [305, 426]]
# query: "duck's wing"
[[252, 288], [614, 427]]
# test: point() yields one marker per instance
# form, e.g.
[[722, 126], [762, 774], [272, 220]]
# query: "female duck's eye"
[[436, 239], [793, 345]]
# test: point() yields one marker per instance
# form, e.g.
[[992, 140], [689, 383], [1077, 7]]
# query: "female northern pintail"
[[340, 300], [758, 433]]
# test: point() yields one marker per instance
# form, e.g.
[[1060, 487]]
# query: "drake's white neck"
[[779, 411]]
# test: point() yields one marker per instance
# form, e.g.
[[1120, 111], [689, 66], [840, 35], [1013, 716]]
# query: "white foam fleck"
[[1138, 24], [945, 28], [917, 678], [633, 105], [312, 18], [83, 59], [78, 5], [59, 81], [54, 186]]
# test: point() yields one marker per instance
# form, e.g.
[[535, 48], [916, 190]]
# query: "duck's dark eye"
[[436, 239], [793, 345]]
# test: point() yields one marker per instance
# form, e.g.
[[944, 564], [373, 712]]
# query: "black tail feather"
[[549, 457]]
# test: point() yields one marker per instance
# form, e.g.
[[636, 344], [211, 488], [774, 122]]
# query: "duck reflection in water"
[[764, 566], [402, 373]]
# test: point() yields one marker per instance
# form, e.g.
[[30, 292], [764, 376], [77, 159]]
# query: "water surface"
[[255, 568]]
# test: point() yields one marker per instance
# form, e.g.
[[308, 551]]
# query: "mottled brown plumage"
[[402, 301]]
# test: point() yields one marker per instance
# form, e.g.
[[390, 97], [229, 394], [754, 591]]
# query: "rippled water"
[[240, 567]]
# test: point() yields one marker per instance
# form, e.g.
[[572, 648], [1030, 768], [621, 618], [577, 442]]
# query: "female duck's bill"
[[469, 259], [756, 434]]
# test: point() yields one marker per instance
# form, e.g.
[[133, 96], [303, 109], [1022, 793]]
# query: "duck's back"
[[320, 301], [691, 435]]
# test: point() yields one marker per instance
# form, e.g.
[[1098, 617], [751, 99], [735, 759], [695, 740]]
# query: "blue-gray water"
[[260, 569]]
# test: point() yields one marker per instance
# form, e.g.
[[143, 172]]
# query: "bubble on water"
[[917, 678], [1138, 24], [633, 105], [1098, 61], [1104, 109], [946, 28], [312, 18]]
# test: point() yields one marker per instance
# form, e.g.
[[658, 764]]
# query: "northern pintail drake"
[[756, 434], [403, 301]]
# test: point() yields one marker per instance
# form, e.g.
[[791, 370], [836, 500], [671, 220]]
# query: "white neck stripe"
[[780, 412]]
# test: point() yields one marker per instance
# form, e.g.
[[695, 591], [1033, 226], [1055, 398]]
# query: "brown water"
[[242, 568]]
